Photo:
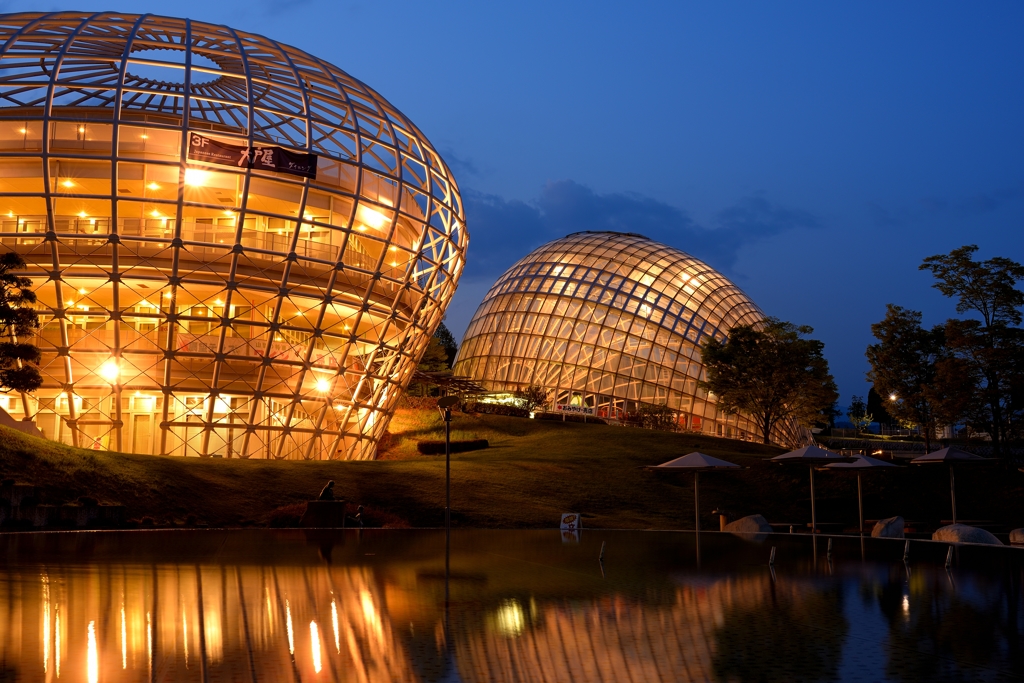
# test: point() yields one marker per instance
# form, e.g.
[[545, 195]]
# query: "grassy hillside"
[[533, 471]]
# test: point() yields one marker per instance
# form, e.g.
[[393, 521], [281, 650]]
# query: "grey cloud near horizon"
[[503, 231]]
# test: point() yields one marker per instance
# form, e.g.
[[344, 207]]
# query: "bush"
[[437, 447], [495, 409], [287, 516], [571, 417]]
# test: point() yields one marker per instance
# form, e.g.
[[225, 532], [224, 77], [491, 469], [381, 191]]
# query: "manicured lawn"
[[533, 471]]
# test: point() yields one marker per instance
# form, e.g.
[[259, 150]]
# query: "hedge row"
[[495, 409], [461, 446], [571, 417]]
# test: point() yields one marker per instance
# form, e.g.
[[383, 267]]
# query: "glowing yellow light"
[[288, 619], [167, 295], [153, 186], [81, 291], [229, 212], [195, 177], [81, 129], [92, 661], [149, 639], [218, 302], [23, 130], [372, 217], [510, 620], [314, 634], [393, 248], [10, 214], [46, 623], [68, 183], [323, 385], [110, 370], [334, 621], [906, 604], [892, 397], [83, 214], [56, 639], [154, 213], [308, 216], [69, 304], [124, 638], [394, 263]]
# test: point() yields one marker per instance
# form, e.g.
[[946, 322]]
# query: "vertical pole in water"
[[860, 505], [952, 492], [696, 499], [814, 519], [447, 470]]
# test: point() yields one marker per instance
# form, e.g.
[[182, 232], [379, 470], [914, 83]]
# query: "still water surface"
[[381, 605]]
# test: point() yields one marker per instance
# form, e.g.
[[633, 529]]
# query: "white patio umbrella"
[[696, 463], [812, 456], [860, 464], [951, 455]]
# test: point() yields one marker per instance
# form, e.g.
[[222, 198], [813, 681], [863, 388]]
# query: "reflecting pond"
[[393, 605]]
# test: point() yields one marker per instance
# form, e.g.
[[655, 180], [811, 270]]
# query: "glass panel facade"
[[606, 321], [193, 308]]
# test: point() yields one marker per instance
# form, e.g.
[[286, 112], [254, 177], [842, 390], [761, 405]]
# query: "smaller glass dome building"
[[606, 322]]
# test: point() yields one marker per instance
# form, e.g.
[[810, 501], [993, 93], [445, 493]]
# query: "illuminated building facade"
[[608, 322], [238, 249]]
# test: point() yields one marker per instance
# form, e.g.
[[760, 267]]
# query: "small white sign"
[[576, 410], [571, 521]]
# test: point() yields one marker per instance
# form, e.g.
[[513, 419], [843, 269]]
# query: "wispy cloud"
[[502, 231]]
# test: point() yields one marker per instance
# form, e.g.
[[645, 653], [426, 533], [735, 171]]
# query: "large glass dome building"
[[238, 249], [607, 322]]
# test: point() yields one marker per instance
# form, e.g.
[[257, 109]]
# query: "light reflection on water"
[[524, 606]]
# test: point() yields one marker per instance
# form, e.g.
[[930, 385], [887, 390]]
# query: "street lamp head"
[[447, 402]]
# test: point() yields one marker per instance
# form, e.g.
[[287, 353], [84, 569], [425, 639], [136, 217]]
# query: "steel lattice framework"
[[608, 321], [197, 308]]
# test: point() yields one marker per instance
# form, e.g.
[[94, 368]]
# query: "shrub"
[[571, 417], [495, 409], [437, 447], [286, 516]]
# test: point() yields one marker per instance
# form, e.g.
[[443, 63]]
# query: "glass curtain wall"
[[608, 322], [196, 308]]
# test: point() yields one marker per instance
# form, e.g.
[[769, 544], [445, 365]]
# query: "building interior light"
[[195, 177], [323, 385], [153, 186], [167, 295], [144, 136], [110, 370], [69, 304], [154, 213], [23, 131], [372, 217], [81, 129], [81, 290], [67, 183], [83, 214]]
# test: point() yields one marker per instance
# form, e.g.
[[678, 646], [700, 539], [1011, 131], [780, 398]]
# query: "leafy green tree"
[[18, 320], [877, 406], [990, 344], [858, 414], [904, 367], [532, 397], [770, 372], [654, 416], [444, 336]]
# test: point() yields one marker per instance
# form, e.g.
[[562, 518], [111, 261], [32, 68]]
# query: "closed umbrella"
[[812, 456], [951, 455], [696, 463], [860, 464]]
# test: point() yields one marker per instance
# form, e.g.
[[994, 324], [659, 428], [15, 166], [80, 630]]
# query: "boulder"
[[751, 528], [889, 528], [961, 533], [324, 514], [1017, 537]]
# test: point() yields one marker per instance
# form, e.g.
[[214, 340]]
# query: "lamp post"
[[444, 406]]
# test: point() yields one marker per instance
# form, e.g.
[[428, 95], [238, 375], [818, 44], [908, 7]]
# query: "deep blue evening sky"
[[813, 152]]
